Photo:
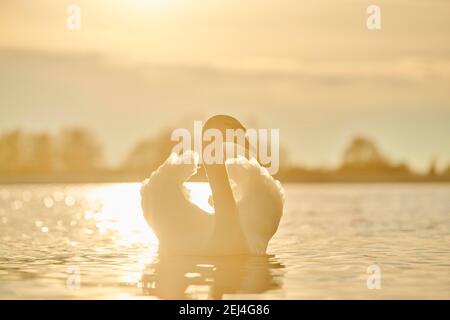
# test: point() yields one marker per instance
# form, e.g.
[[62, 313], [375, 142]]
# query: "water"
[[91, 242]]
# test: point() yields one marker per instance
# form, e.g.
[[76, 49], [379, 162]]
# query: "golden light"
[[121, 212], [199, 194], [145, 4]]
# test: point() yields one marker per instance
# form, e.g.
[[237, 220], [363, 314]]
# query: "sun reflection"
[[115, 210], [120, 210], [200, 194]]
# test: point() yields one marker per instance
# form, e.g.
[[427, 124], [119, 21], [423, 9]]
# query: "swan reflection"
[[189, 277]]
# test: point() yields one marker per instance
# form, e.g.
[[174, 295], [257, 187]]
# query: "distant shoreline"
[[125, 178]]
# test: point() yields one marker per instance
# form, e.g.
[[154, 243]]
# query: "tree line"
[[74, 154], [72, 150]]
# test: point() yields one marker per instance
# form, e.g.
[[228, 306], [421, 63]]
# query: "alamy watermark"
[[212, 147], [374, 278], [374, 19], [73, 21], [73, 281]]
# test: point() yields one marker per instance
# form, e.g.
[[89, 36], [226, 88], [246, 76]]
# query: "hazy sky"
[[310, 68]]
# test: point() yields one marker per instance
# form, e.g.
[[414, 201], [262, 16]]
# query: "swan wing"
[[260, 201], [180, 225]]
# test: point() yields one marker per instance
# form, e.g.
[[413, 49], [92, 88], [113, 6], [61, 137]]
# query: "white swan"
[[248, 204]]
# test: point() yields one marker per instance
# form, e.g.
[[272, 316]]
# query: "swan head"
[[222, 123]]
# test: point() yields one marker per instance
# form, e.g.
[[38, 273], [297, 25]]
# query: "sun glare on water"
[[200, 194], [121, 209]]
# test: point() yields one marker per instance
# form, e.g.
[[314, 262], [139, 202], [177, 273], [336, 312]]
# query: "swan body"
[[247, 200], [184, 228]]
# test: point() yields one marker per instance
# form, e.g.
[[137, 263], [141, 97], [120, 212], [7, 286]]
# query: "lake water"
[[91, 242]]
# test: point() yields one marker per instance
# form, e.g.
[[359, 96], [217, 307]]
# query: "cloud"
[[311, 102], [88, 82]]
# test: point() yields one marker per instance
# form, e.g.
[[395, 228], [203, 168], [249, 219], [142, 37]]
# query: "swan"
[[248, 204]]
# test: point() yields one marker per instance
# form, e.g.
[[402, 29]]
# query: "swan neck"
[[221, 190]]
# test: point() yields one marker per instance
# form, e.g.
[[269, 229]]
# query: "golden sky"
[[310, 68]]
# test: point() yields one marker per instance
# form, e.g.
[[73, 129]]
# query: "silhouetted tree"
[[43, 154], [362, 161], [10, 152], [432, 172], [363, 152], [147, 155], [446, 172], [79, 151]]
